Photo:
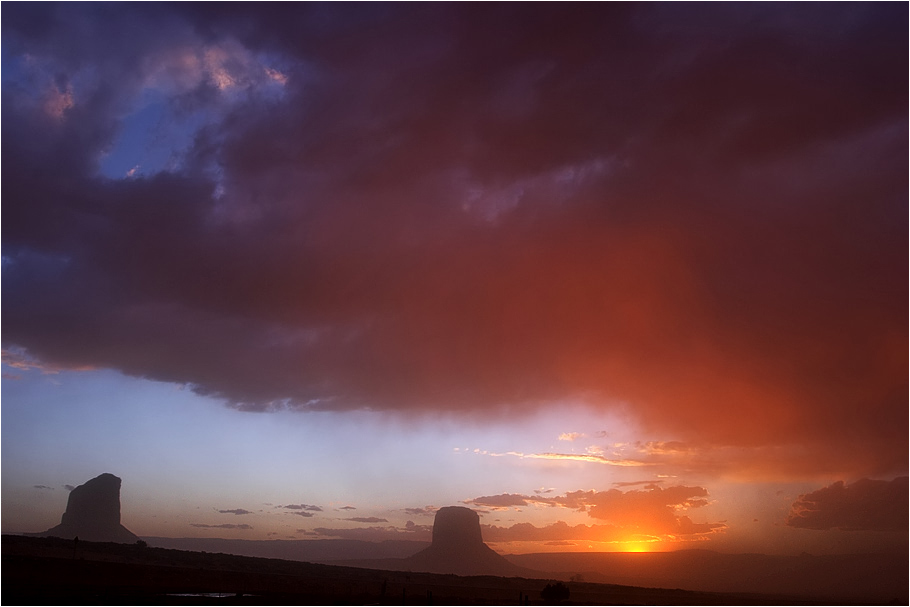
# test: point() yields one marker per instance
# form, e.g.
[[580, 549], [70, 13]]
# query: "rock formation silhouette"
[[93, 513], [458, 548]]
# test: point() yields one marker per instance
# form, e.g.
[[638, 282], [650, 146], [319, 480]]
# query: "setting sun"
[[645, 546]]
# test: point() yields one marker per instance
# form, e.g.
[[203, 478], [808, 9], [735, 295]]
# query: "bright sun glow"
[[636, 546]]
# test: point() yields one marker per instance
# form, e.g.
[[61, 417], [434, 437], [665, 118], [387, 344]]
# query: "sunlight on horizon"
[[636, 547], [639, 545]]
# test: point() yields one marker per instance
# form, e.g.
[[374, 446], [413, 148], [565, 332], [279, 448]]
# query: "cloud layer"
[[861, 506], [652, 511], [698, 214]]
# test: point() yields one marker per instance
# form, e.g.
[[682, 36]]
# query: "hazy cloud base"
[[861, 506]]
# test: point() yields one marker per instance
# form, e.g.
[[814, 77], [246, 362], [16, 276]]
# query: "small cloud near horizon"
[[504, 501], [243, 526], [237, 511], [571, 436], [425, 511], [647, 484], [367, 519]]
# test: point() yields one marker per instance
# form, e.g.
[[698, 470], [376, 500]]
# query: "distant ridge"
[[93, 513], [313, 551]]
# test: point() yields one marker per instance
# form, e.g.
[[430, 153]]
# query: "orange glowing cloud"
[[651, 511], [562, 532], [577, 457]]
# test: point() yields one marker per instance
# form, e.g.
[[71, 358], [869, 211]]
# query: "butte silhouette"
[[458, 548], [93, 513]]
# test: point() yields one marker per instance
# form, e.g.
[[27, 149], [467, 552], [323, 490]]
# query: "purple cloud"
[[289, 252]]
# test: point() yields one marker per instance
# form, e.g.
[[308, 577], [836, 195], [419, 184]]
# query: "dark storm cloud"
[[861, 506], [700, 212]]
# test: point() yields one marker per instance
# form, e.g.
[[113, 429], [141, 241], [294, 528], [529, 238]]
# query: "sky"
[[624, 277]]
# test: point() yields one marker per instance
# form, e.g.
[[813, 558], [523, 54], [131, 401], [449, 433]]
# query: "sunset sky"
[[618, 276]]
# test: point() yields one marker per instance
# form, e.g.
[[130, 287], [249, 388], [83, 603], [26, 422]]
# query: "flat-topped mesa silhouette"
[[93, 513], [457, 529], [458, 548]]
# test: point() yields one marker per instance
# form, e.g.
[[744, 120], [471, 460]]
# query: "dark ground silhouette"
[[874, 578], [43, 571]]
